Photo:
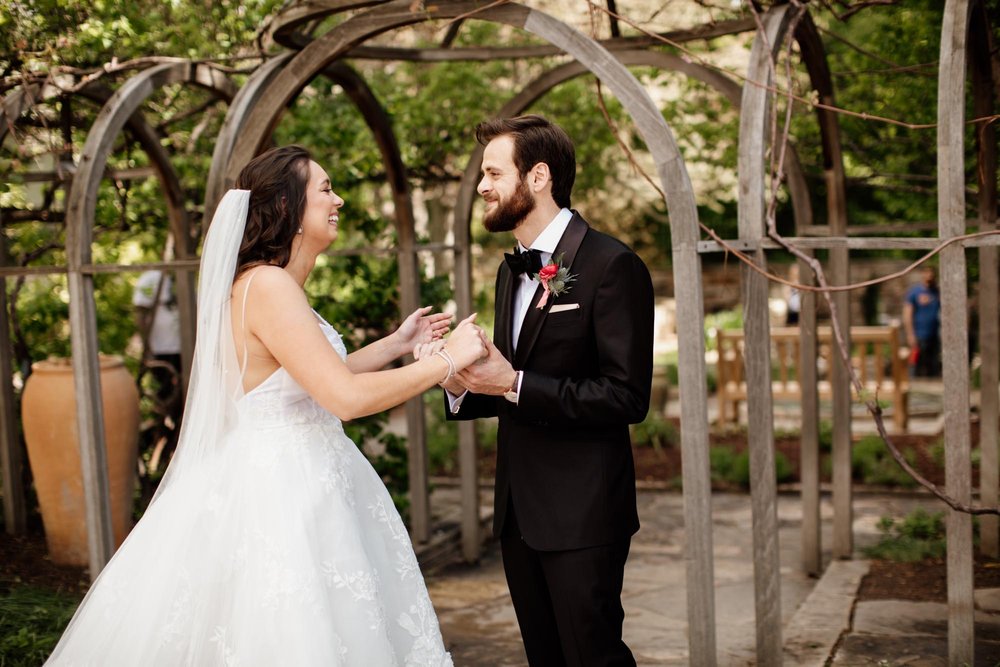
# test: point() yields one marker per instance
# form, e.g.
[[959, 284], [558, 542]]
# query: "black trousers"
[[928, 357], [568, 603]]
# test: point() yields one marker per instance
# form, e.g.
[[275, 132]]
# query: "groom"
[[569, 370]]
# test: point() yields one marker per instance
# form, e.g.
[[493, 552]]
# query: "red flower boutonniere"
[[555, 279]]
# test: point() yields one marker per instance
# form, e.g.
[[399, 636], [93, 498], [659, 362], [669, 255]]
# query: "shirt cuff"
[[517, 383], [455, 402]]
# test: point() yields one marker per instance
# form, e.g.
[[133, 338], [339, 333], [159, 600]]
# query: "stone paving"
[[480, 629]]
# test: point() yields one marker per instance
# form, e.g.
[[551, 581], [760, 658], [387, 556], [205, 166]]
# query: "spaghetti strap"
[[243, 326]]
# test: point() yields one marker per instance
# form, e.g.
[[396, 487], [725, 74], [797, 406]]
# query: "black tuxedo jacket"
[[563, 451]]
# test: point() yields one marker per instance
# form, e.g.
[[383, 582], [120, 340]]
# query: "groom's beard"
[[510, 213]]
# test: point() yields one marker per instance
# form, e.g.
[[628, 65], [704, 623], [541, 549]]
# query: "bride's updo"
[[277, 181]]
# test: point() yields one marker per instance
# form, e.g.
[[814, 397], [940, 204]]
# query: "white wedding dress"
[[284, 548]]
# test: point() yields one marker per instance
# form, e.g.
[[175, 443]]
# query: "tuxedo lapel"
[[502, 322], [567, 247]]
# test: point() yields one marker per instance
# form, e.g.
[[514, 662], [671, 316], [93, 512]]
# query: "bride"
[[271, 540]]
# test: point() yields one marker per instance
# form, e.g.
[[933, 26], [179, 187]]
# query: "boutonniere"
[[555, 279]]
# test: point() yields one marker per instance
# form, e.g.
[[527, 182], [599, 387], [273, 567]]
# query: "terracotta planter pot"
[[48, 410]]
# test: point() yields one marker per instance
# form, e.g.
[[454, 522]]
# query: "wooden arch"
[[679, 200], [357, 89], [80, 212], [14, 105]]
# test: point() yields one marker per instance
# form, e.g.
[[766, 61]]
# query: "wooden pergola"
[[256, 108]]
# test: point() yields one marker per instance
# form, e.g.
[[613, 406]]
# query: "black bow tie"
[[529, 261]]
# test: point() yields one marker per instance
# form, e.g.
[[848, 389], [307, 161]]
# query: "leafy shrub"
[[721, 461], [31, 622], [826, 436], [732, 468], [872, 463], [918, 536], [442, 435], [937, 454], [655, 431]]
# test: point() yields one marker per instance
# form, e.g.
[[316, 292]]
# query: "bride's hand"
[[423, 350], [467, 343], [421, 327]]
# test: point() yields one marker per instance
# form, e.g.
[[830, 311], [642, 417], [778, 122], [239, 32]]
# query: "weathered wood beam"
[[15, 511], [814, 59], [845, 242], [984, 105], [884, 229], [954, 326], [285, 30], [753, 146]]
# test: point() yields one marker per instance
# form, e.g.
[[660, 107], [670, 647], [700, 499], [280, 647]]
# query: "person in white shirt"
[[159, 324]]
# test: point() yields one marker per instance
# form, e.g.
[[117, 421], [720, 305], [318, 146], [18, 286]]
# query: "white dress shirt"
[[524, 288]]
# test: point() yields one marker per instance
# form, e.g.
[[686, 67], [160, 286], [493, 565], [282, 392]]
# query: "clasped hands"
[[491, 374]]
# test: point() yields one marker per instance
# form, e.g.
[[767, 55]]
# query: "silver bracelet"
[[443, 353]]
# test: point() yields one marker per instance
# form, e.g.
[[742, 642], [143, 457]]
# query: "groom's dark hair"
[[536, 139], [277, 181]]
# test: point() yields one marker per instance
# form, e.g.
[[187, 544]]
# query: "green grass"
[[31, 621]]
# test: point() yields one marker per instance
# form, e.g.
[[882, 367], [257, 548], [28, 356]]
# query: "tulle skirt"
[[286, 549]]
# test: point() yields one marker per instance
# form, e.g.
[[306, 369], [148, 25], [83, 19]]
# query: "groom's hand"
[[491, 376]]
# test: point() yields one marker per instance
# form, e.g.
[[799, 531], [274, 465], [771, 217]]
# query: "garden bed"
[[923, 581]]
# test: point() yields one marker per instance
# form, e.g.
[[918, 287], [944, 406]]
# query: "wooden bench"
[[876, 354]]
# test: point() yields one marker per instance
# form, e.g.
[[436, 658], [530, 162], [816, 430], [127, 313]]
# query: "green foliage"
[[723, 319], [872, 463], [36, 34], [918, 536], [655, 431], [733, 468], [937, 454], [391, 463], [891, 175], [442, 436], [826, 436], [31, 622]]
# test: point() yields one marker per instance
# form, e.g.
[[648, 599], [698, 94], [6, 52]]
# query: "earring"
[[300, 230]]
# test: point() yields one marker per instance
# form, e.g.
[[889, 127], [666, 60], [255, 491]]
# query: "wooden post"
[[954, 334], [814, 58], [989, 312], [468, 451], [754, 125], [11, 454], [809, 463], [839, 273]]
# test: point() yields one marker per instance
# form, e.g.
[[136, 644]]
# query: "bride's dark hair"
[[277, 182]]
